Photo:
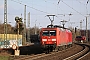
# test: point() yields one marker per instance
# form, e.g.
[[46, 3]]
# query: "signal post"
[[18, 21]]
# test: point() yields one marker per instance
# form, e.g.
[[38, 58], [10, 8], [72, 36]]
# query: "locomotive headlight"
[[53, 39], [44, 39]]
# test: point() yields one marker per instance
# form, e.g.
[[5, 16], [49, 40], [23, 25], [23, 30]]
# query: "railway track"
[[35, 57], [83, 50], [80, 55]]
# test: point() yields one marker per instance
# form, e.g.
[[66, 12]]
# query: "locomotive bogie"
[[48, 48]]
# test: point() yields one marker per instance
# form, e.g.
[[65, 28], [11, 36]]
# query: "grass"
[[4, 57]]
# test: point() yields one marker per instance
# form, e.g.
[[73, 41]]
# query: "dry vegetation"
[[11, 30]]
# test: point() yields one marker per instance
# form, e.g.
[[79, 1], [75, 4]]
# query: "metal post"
[[5, 22], [25, 25], [63, 23], [29, 27], [35, 28], [17, 34], [80, 26], [86, 31], [17, 19]]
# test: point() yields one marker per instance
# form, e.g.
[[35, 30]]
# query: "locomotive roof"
[[56, 26]]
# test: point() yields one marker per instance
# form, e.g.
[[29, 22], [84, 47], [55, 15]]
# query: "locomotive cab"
[[50, 38]]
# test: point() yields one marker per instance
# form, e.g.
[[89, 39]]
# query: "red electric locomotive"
[[80, 39], [54, 37]]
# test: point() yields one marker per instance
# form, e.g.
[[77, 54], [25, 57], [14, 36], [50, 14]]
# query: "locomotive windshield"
[[49, 33]]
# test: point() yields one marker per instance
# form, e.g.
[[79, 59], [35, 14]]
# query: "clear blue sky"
[[40, 8]]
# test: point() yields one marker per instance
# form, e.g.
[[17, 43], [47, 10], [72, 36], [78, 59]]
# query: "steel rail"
[[79, 54]]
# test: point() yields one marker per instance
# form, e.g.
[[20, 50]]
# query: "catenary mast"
[[5, 22]]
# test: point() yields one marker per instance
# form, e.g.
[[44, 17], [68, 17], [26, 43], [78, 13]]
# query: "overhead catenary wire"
[[72, 8], [58, 7], [84, 4], [68, 6], [46, 2], [49, 2], [53, 4], [81, 2], [45, 11], [30, 7], [32, 4]]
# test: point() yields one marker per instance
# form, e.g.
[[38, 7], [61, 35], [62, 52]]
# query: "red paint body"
[[55, 36], [78, 38]]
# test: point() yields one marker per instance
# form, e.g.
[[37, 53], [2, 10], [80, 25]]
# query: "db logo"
[[14, 46]]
